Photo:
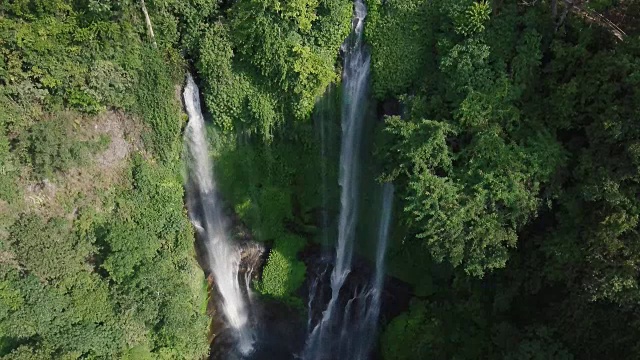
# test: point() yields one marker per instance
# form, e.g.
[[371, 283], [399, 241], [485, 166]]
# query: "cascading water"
[[383, 240], [362, 310], [205, 211], [370, 311], [355, 83]]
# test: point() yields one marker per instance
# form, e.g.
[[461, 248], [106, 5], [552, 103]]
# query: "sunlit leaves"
[[271, 61], [314, 73], [120, 275], [418, 146], [303, 12], [128, 248], [223, 93], [158, 106], [47, 249], [399, 34], [283, 273], [473, 18], [465, 64], [472, 179]]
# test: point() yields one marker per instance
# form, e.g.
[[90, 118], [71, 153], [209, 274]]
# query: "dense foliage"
[[264, 65], [283, 275], [509, 129], [516, 159], [472, 161], [116, 276], [96, 252], [274, 189], [268, 61]]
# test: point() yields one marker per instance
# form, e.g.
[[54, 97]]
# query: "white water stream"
[[323, 337], [348, 326], [205, 211]]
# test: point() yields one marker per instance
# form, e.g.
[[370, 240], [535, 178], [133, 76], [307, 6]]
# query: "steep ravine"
[[345, 294]]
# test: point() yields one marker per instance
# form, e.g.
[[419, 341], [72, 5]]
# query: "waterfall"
[[361, 312], [355, 83], [205, 211], [371, 307], [383, 237]]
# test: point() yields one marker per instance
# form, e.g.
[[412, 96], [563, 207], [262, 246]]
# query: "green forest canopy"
[[516, 159]]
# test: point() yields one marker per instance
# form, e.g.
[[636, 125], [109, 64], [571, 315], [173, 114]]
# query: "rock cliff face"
[[395, 296]]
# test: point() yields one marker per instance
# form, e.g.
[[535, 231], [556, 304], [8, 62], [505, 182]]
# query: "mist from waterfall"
[[205, 212], [383, 238], [322, 338]]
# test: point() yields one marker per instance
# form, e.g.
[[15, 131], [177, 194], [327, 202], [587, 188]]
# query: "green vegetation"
[[283, 274], [269, 61], [96, 251], [264, 66], [157, 106], [508, 128], [270, 189], [515, 162], [50, 147], [469, 199], [115, 276]]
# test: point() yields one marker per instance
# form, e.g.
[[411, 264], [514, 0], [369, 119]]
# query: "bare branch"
[[147, 19], [591, 16], [528, 2], [600, 19], [568, 4]]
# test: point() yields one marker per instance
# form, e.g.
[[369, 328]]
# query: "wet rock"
[[389, 107], [281, 330], [316, 291]]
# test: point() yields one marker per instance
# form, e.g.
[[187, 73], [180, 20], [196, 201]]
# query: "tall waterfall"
[[205, 211], [355, 83], [358, 329]]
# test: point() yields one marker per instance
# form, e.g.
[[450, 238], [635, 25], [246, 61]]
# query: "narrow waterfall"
[[360, 319], [383, 239], [205, 211], [365, 334], [355, 83], [323, 172]]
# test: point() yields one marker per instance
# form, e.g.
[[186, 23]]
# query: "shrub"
[[46, 248], [8, 172], [400, 40], [51, 146], [158, 107], [284, 273]]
